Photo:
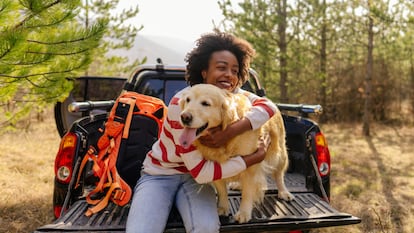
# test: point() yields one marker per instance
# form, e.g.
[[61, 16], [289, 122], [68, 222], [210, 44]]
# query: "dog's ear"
[[182, 100], [228, 110]]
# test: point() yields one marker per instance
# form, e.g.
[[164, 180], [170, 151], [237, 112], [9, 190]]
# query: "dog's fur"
[[206, 106]]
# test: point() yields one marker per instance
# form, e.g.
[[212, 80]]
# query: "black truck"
[[85, 110]]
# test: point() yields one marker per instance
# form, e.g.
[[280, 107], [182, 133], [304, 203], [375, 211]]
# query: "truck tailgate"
[[306, 211]]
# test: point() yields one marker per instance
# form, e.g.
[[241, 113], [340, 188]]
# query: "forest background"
[[355, 58]]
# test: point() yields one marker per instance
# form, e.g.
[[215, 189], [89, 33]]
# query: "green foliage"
[[39, 51], [326, 52], [257, 23], [118, 36]]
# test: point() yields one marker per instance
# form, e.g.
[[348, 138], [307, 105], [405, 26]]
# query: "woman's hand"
[[260, 153], [216, 137]]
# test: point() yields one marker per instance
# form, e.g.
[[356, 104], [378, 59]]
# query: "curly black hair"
[[198, 59]]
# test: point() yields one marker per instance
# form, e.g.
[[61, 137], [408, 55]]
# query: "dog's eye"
[[187, 100], [205, 103]]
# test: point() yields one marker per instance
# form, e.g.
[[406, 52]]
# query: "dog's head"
[[204, 106]]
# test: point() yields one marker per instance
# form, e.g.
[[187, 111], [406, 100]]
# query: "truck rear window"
[[92, 88], [163, 89]]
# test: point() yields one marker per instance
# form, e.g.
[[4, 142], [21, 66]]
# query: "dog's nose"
[[186, 118]]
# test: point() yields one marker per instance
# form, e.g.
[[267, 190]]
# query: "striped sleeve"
[[263, 109], [205, 171]]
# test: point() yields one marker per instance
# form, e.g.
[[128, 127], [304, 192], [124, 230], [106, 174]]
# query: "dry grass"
[[372, 178], [26, 176]]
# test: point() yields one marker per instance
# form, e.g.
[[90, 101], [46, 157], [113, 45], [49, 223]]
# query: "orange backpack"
[[133, 125]]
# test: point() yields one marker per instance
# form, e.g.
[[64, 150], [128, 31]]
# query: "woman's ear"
[[204, 74]]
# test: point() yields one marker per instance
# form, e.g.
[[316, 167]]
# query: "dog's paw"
[[285, 195], [243, 216], [223, 211], [234, 185]]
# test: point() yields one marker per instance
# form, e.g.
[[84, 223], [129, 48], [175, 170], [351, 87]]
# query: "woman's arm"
[[205, 171], [258, 155]]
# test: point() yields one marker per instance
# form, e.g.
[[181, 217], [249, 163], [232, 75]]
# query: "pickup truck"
[[308, 176]]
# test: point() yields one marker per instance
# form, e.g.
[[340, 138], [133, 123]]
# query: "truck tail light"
[[64, 158], [57, 210], [322, 155]]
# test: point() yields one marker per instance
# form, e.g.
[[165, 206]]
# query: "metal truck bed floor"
[[306, 211]]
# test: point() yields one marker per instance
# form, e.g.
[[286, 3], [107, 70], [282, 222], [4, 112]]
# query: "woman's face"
[[222, 71]]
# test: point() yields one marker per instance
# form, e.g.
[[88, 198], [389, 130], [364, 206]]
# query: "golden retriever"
[[206, 106]]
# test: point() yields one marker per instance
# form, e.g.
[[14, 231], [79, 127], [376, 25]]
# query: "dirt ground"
[[26, 175], [372, 178]]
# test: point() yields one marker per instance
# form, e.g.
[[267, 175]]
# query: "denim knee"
[[206, 226]]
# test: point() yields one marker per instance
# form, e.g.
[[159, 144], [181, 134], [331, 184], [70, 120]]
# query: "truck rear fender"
[[321, 160], [64, 161], [65, 157], [323, 156]]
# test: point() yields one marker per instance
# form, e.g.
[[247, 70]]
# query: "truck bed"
[[306, 211]]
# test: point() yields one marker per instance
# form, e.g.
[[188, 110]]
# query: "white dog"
[[206, 106]]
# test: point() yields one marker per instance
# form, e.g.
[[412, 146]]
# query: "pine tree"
[[119, 36], [40, 50], [264, 23]]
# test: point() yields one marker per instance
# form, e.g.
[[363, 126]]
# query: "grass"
[[372, 178], [26, 176]]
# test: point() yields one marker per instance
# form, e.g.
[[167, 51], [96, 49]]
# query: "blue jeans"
[[154, 196]]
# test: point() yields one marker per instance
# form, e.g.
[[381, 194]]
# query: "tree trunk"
[[283, 52], [368, 77], [411, 91], [86, 26], [322, 63]]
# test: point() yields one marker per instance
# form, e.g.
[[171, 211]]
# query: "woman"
[[172, 175]]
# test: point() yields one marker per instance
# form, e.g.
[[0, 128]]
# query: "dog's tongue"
[[187, 137]]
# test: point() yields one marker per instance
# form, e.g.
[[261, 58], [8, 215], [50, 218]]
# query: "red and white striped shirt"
[[168, 157]]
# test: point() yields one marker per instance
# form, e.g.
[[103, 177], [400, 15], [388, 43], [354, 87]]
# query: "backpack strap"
[[90, 155], [132, 102], [104, 159]]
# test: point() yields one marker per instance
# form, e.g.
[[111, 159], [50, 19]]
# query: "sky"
[[183, 19], [171, 27]]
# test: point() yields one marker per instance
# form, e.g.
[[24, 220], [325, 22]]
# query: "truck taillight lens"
[[322, 155], [57, 210], [64, 158]]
